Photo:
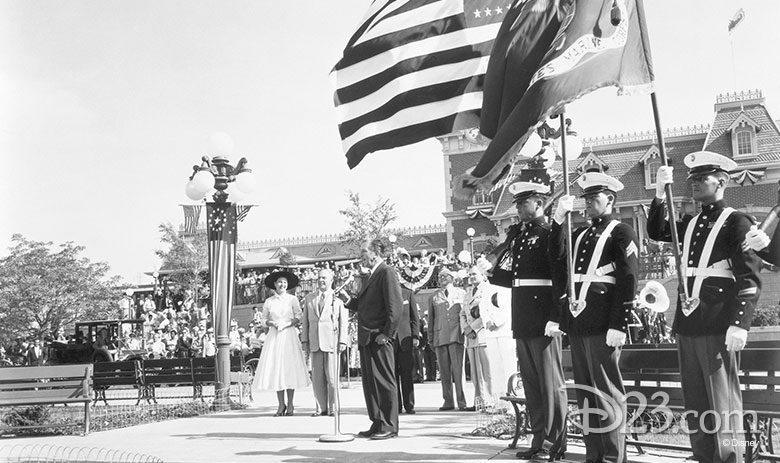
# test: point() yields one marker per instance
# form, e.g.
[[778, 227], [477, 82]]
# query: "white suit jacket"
[[317, 327]]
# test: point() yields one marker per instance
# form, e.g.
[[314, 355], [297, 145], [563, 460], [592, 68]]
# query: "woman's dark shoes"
[[281, 410], [290, 410]]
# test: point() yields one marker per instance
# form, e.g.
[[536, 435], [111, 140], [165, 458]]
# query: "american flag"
[[222, 259], [413, 70], [242, 211], [191, 217]]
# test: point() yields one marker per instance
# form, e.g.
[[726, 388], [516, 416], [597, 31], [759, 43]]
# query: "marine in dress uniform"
[[525, 267], [605, 259], [723, 287]]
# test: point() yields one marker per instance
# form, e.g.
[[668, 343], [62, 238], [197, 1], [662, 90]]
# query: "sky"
[[105, 105]]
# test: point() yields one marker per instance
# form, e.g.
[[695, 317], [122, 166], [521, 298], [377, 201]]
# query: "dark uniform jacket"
[[607, 305], [527, 258], [378, 305], [409, 326], [724, 301]]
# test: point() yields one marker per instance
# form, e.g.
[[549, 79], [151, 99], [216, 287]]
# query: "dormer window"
[[744, 143], [652, 161], [482, 197]]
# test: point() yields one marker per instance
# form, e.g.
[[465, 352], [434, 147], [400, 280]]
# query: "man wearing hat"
[[446, 337], [604, 272], [723, 288], [525, 267]]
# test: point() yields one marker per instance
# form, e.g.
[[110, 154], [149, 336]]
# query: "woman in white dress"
[[282, 366]]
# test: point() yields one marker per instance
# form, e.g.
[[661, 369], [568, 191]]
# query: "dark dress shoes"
[[411, 412], [444, 409], [367, 433], [469, 409], [382, 435], [531, 453]]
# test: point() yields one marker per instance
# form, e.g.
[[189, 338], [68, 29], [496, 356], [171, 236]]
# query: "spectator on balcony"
[[149, 305]]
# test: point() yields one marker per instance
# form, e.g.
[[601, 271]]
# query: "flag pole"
[[564, 159], [682, 289]]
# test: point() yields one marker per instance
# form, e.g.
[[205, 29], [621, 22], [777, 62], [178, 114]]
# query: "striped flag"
[[242, 211], [222, 231], [412, 71], [599, 43], [191, 217]]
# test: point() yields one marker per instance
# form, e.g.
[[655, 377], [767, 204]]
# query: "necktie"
[[321, 304], [446, 293]]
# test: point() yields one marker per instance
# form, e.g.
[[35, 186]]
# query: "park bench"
[[164, 372], [47, 385], [108, 374], [648, 369]]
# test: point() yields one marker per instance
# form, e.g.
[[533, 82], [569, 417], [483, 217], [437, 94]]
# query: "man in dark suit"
[[406, 341], [378, 305], [36, 356]]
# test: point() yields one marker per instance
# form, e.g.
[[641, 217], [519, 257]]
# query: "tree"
[[366, 221], [42, 290], [185, 258]]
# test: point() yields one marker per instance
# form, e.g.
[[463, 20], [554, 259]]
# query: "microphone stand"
[[337, 436]]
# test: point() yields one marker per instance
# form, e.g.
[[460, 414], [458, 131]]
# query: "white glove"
[[484, 265], [565, 205], [664, 176], [552, 329], [757, 239], [736, 338], [615, 338]]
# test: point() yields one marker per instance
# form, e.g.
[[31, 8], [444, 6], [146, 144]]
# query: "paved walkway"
[[255, 435]]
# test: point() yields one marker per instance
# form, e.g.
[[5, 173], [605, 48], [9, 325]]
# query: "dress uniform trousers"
[[710, 384], [545, 394], [596, 366]]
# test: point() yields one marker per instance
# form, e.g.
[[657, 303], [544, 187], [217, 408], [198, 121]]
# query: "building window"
[[652, 171], [744, 142], [482, 197]]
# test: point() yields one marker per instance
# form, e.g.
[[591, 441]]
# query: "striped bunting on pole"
[[222, 233], [413, 70], [191, 217]]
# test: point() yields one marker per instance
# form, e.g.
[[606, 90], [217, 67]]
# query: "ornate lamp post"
[[470, 232], [231, 183], [392, 239]]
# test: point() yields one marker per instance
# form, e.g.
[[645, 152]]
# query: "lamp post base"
[[337, 437]]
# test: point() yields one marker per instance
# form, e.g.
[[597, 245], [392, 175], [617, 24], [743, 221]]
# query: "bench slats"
[[45, 372]]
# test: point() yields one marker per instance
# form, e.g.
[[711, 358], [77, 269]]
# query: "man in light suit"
[[323, 313], [446, 337], [378, 306], [406, 341]]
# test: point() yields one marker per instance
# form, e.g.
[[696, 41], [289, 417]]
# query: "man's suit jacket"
[[444, 317], [378, 305], [36, 359], [317, 327], [409, 327]]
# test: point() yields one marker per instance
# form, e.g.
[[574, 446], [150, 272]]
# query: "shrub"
[[766, 315]]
